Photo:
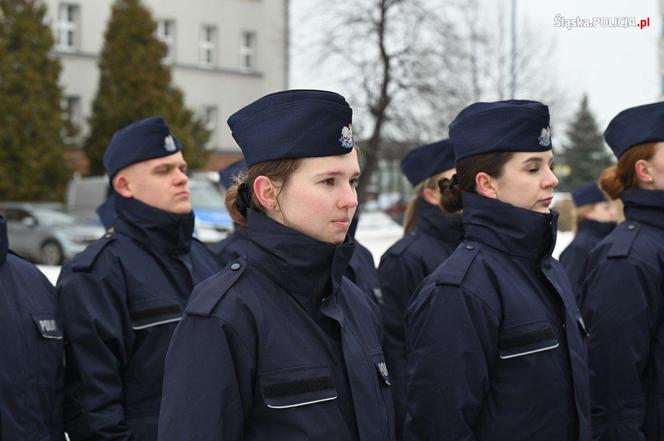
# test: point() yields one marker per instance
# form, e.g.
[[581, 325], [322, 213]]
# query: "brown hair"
[[622, 176], [466, 170], [277, 171], [412, 216]]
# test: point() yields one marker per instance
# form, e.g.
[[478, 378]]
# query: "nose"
[[550, 180], [348, 198], [181, 177]]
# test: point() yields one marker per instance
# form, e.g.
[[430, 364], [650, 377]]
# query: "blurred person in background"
[[595, 219], [430, 236]]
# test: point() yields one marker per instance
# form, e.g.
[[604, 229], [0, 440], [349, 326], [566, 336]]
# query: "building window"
[[210, 120], [71, 106], [208, 46], [67, 27], [248, 51], [166, 33]]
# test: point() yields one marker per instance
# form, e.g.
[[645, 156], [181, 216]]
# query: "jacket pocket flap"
[[155, 315], [526, 340], [297, 387], [47, 325]]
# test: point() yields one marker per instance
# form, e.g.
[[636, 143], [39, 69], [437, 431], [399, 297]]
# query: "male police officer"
[[31, 374], [122, 297]]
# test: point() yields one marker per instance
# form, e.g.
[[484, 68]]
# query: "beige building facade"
[[223, 54]]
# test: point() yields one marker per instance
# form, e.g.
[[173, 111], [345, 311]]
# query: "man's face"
[[161, 183]]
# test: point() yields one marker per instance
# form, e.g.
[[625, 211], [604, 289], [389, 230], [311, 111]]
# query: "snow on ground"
[[376, 231]]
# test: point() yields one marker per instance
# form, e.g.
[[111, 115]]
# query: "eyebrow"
[[535, 159], [335, 173]]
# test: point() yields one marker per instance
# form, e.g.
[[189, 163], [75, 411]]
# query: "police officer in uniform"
[[122, 297], [31, 363], [596, 218], [279, 345], [622, 296], [430, 237], [495, 339]]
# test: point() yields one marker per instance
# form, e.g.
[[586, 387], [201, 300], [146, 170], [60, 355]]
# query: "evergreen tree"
[[32, 123], [135, 84], [585, 153]]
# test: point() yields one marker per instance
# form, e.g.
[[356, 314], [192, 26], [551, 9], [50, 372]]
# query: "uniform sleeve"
[[399, 277], [208, 383], [620, 306], [97, 343], [452, 341]]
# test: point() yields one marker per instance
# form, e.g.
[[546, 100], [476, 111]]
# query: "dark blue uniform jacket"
[[232, 247], [573, 259], [361, 269], [401, 270], [121, 299], [623, 305], [31, 369], [496, 346], [278, 346]]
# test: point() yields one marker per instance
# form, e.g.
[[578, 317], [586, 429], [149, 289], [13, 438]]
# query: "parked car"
[[213, 223], [45, 233]]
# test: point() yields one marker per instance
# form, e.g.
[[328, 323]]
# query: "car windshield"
[[205, 195], [53, 217]]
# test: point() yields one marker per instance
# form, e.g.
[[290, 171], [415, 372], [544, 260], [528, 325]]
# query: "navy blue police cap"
[[146, 139], [634, 126], [293, 124], [502, 126], [227, 175], [427, 160], [588, 194]]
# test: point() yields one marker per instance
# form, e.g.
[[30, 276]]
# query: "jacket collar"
[[595, 228], [154, 228], [304, 267], [644, 206], [4, 243], [515, 231], [433, 221]]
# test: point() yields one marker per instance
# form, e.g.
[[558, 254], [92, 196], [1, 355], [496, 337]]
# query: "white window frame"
[[68, 27], [248, 51], [166, 32], [207, 46], [72, 107], [210, 114]]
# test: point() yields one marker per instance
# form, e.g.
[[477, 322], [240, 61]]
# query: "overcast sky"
[[616, 67]]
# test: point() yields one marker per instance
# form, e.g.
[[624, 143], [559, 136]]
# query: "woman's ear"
[[486, 185], [643, 174], [266, 193], [431, 196]]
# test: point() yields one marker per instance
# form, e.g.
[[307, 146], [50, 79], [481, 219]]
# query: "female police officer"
[[430, 237], [280, 345], [495, 348], [622, 301]]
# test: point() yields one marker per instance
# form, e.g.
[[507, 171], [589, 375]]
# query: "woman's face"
[[527, 181], [603, 212], [320, 197]]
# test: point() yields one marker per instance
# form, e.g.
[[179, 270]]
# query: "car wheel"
[[50, 253]]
